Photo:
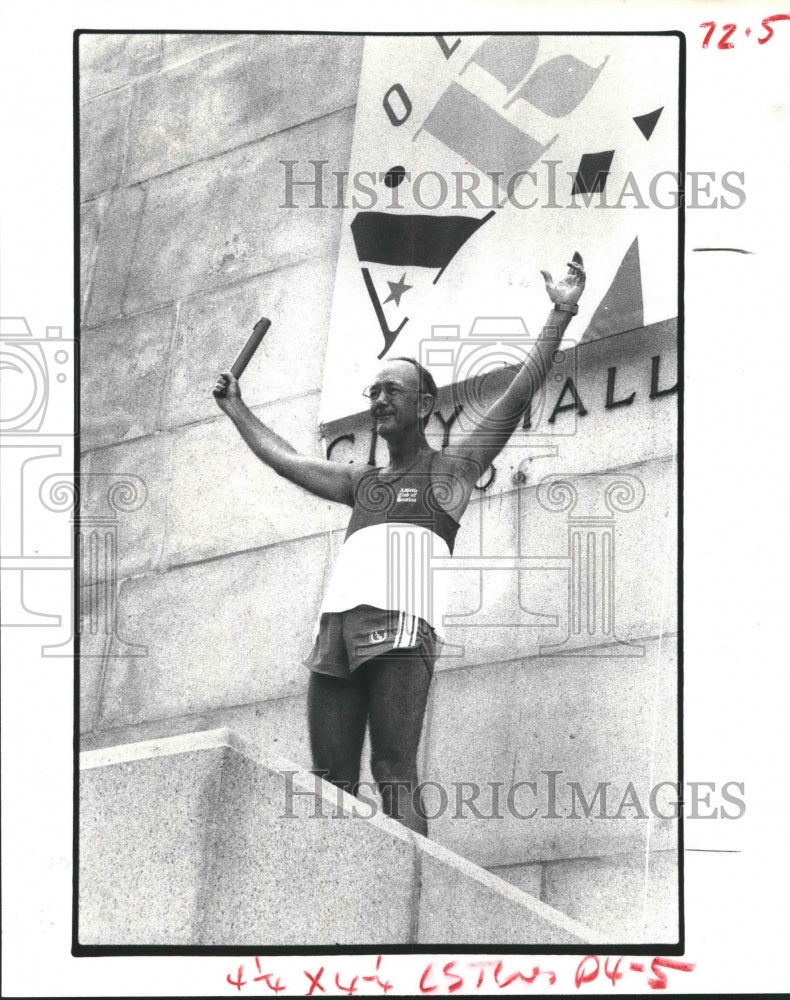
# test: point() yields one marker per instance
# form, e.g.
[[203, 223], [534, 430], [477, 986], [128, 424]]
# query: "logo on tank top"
[[407, 494], [376, 637]]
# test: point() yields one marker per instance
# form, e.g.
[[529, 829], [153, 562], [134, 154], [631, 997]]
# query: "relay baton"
[[245, 354]]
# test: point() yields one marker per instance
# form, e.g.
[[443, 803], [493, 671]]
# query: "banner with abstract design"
[[478, 161]]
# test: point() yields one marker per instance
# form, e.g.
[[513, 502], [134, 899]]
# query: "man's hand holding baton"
[[226, 389]]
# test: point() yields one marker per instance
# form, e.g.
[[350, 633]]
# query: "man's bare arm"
[[492, 429], [325, 479]]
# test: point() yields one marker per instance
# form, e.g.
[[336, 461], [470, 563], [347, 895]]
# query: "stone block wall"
[[183, 247], [219, 573], [172, 853]]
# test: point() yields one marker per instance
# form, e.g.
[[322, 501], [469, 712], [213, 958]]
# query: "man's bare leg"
[[397, 686], [337, 712]]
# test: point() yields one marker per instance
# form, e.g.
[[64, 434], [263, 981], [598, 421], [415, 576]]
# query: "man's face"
[[396, 405]]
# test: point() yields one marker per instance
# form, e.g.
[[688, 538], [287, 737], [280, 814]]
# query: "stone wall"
[[324, 867], [220, 572]]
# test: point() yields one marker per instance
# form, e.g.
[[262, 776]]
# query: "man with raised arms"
[[376, 641]]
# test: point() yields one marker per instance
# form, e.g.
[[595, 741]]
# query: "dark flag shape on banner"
[[429, 241], [412, 240]]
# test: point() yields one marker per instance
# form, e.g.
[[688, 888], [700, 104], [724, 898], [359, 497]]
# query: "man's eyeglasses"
[[392, 389]]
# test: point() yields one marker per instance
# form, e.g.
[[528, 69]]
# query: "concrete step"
[[205, 839]]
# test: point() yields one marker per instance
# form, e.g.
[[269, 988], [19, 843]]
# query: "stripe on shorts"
[[399, 632], [407, 631]]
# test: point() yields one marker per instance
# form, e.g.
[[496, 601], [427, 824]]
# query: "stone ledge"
[[458, 899], [312, 883]]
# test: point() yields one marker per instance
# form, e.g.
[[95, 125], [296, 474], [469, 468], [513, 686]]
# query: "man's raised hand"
[[568, 290], [226, 389]]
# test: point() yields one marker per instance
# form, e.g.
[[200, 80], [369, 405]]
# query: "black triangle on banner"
[[622, 307], [646, 123]]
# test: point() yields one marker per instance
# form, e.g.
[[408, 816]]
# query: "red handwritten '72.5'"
[[728, 30]]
